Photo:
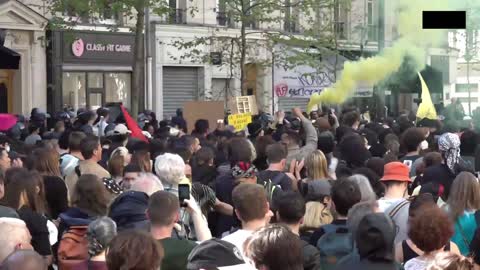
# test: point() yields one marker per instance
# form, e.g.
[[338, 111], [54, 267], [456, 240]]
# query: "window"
[[177, 12], [249, 7], [102, 88], [74, 90], [341, 18], [371, 21], [172, 16], [290, 23], [221, 10], [118, 88], [463, 87], [95, 80]]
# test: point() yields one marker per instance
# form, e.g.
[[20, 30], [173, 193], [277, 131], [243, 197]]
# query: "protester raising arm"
[[310, 132], [278, 125], [200, 223]]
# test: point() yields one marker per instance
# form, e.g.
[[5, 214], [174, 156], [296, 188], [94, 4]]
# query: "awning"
[[9, 59]]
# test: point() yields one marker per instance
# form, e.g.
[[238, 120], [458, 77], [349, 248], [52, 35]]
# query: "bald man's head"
[[14, 236], [24, 260]]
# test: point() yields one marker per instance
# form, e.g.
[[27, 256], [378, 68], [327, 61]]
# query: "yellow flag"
[[426, 108]]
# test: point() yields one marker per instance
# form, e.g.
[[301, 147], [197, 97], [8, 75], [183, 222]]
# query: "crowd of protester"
[[293, 191]]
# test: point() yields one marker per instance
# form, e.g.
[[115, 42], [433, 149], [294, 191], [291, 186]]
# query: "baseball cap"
[[396, 171], [120, 129], [213, 254], [147, 134]]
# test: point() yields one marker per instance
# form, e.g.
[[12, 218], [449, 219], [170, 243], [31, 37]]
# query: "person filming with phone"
[[171, 170], [164, 212]]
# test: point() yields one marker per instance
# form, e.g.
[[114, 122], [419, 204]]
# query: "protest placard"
[[239, 121]]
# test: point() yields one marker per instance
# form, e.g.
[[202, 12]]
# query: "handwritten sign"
[[239, 121]]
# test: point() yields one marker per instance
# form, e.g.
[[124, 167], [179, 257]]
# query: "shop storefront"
[[90, 69]]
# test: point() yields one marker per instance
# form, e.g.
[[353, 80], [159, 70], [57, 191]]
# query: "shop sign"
[[98, 47], [78, 47], [239, 121], [301, 81]]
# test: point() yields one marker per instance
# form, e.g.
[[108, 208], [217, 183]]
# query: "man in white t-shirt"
[[253, 210], [396, 179]]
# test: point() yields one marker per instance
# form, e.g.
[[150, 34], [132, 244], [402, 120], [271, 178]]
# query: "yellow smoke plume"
[[413, 41]]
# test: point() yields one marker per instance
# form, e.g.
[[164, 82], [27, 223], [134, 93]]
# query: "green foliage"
[[70, 12]]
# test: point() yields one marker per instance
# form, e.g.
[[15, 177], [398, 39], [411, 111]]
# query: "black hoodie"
[[374, 239], [204, 174]]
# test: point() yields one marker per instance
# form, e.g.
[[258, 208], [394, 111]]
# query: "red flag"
[[133, 126]]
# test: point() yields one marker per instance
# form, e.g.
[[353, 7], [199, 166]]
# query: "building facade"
[[466, 86], [23, 33]]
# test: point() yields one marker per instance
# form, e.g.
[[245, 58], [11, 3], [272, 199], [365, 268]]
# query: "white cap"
[[120, 129], [147, 134]]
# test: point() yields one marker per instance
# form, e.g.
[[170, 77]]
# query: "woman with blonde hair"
[[463, 202], [316, 167], [317, 211], [119, 158]]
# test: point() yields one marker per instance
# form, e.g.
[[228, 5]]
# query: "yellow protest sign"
[[239, 121]]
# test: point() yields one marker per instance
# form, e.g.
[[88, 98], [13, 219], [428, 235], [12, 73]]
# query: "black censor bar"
[[444, 19]]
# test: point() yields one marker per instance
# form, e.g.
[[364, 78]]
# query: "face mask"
[[424, 145], [7, 148]]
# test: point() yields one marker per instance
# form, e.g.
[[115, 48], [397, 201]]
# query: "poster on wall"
[[304, 81], [301, 81]]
